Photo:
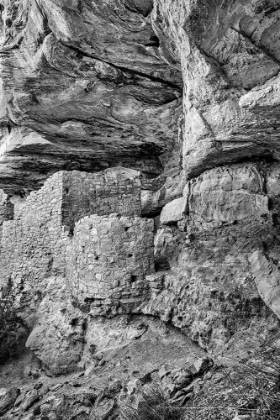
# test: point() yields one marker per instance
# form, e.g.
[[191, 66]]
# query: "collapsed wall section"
[[116, 190], [108, 259]]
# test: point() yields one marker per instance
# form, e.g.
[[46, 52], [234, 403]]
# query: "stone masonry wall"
[[115, 190], [108, 259], [101, 266], [32, 246]]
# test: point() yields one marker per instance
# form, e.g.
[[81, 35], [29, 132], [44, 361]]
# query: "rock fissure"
[[260, 47], [125, 70]]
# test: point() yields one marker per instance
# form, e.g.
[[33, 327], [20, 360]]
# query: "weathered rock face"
[[84, 87], [229, 57], [58, 335], [151, 244], [209, 289]]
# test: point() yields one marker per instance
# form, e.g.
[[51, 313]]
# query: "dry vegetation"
[[152, 406], [249, 388], [8, 325]]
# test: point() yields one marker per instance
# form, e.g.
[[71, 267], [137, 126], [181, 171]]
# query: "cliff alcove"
[[139, 207]]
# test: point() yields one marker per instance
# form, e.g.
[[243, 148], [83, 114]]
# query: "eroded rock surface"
[[83, 87], [228, 52], [148, 251]]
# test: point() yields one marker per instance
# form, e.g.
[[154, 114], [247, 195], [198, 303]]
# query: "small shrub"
[[8, 324], [152, 406]]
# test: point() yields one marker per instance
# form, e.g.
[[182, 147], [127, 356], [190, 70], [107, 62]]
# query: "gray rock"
[[86, 94], [7, 399], [174, 211], [30, 398], [267, 278]]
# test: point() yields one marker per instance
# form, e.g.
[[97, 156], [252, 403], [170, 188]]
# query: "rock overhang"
[[81, 93]]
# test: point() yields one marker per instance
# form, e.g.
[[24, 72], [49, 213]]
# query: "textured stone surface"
[[107, 265], [174, 211], [34, 245], [119, 268], [116, 190], [227, 195], [229, 56], [209, 289], [57, 338], [55, 269], [78, 93], [7, 399], [108, 260], [267, 279], [121, 357]]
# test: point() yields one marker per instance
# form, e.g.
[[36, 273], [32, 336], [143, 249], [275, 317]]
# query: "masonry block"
[[108, 259]]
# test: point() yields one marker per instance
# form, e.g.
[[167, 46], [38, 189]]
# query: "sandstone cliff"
[[139, 203]]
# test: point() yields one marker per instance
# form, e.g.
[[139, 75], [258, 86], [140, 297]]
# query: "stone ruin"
[[80, 249], [87, 228]]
